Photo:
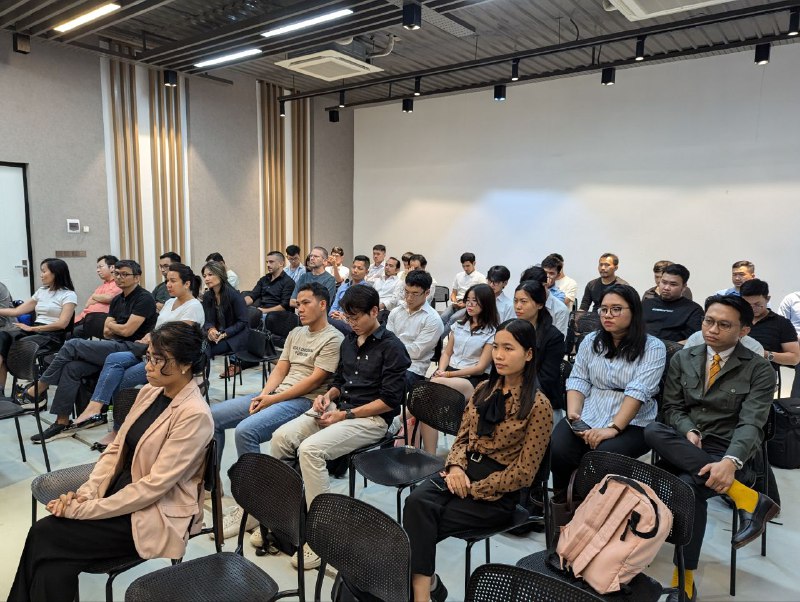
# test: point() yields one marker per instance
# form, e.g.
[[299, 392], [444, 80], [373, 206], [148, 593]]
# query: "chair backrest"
[[769, 425], [437, 405], [272, 492], [254, 317], [123, 402], [281, 323], [676, 494], [672, 348], [506, 583], [368, 548], [260, 344], [440, 294], [587, 322], [21, 360], [93, 324]]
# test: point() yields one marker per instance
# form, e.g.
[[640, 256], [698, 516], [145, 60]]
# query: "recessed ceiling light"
[[324, 18], [228, 57], [100, 11]]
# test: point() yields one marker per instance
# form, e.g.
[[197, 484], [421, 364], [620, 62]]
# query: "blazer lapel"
[[179, 399]]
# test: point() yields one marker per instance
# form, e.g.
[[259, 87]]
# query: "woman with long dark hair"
[[501, 443], [54, 304], [225, 310], [145, 491], [611, 390]]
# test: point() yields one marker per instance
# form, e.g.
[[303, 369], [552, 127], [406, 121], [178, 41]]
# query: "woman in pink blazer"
[[144, 495]]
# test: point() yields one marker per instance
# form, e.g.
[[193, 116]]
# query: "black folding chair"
[[506, 583], [260, 350], [279, 324], [441, 294]]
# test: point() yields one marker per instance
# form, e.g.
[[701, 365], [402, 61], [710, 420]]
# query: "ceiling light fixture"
[[500, 92], [225, 58], [640, 48], [341, 99], [608, 77], [794, 22], [310, 22], [85, 18], [417, 86], [762, 54], [412, 16], [282, 108], [170, 78], [333, 116], [408, 105], [515, 70]]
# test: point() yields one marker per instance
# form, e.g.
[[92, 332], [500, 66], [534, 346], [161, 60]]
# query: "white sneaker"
[[255, 539], [232, 521], [310, 559]]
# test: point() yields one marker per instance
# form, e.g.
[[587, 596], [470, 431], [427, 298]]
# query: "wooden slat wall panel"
[[300, 167], [273, 172]]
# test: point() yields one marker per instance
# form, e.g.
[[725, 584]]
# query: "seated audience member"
[[308, 360], [358, 273], [497, 278], [160, 293], [557, 309], [225, 324], [499, 447], [775, 333], [405, 258], [100, 299], [144, 493], [553, 265], [132, 315], [376, 270], [595, 289], [611, 390], [716, 401], [294, 267], [416, 262], [658, 271], [669, 315], [464, 280], [790, 309], [6, 302], [417, 325], [363, 399], [125, 369], [741, 272], [747, 342], [273, 291], [387, 285], [316, 263], [334, 266], [233, 277], [529, 300], [54, 303]]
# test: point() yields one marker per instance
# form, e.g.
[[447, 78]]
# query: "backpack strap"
[[633, 522]]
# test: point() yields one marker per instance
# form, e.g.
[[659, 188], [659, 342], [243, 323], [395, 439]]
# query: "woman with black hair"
[[54, 304], [225, 310], [611, 390], [501, 443], [144, 493]]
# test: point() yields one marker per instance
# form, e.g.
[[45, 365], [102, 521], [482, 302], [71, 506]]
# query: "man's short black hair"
[[215, 257], [551, 262], [754, 288], [751, 267], [423, 263], [134, 266], [419, 278], [614, 258], [172, 256], [363, 259], [498, 273], [110, 260], [277, 254], [534, 273], [677, 269], [468, 257], [396, 262], [658, 266], [381, 248], [293, 250], [360, 300], [320, 292], [737, 303]]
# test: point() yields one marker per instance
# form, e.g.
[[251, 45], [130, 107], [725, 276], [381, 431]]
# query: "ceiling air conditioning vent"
[[636, 10], [328, 65]]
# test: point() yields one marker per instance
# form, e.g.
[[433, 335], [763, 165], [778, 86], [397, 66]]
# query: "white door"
[[15, 259]]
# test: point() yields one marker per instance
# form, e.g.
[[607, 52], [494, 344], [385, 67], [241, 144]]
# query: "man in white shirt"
[[416, 262], [461, 284], [376, 269], [387, 286], [497, 278], [790, 309], [295, 267], [416, 324], [335, 268], [557, 309], [233, 277], [553, 266]]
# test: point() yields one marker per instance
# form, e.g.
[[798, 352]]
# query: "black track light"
[[500, 92], [417, 86], [608, 77], [515, 70], [762, 54], [408, 105], [412, 16], [333, 116], [794, 22], [341, 99], [282, 108], [170, 78], [640, 48]]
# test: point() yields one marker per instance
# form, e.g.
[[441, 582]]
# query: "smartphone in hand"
[[578, 426]]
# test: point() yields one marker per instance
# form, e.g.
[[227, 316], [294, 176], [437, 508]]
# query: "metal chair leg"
[[225, 368], [734, 529], [681, 574], [44, 443], [488, 553], [33, 510], [468, 567], [19, 437]]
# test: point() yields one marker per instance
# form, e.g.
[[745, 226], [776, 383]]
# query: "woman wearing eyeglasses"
[[144, 493], [611, 390]]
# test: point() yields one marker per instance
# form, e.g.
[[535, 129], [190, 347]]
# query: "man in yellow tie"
[[716, 401]]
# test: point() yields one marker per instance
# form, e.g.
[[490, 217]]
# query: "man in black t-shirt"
[[775, 333], [273, 291], [131, 315], [607, 267], [670, 315]]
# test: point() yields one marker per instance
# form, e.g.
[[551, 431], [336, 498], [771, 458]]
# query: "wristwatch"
[[736, 461], [771, 356], [615, 427], [348, 414]]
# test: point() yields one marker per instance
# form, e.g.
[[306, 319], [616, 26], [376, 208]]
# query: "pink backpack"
[[615, 533]]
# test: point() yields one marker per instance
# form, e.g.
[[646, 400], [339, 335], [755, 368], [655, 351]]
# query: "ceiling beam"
[[21, 11], [58, 14], [131, 10], [7, 6]]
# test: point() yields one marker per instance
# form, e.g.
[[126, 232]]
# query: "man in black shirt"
[[658, 270], [132, 314], [775, 333], [595, 289], [671, 316], [364, 397], [273, 291]]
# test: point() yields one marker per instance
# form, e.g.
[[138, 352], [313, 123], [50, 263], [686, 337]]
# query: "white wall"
[[693, 161]]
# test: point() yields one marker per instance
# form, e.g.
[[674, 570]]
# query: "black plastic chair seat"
[[50, 485], [641, 588], [9, 409], [246, 356], [216, 578], [397, 466], [114, 565]]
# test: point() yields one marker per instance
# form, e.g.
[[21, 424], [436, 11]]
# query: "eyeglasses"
[[614, 311], [412, 295], [156, 360], [350, 319], [472, 302], [723, 325], [123, 274], [758, 305]]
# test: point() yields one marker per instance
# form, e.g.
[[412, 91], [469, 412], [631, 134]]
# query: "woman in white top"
[[54, 304], [124, 369]]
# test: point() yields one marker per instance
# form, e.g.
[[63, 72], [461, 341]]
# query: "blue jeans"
[[253, 429], [121, 370]]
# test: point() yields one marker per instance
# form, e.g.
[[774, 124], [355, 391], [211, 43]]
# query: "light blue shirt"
[[505, 308], [336, 305], [729, 291], [295, 274], [606, 382], [558, 294], [468, 344]]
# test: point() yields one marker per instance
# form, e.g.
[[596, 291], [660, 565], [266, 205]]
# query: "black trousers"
[[431, 515], [58, 549], [685, 460], [567, 449]]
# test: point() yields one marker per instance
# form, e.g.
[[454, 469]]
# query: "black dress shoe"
[[439, 593], [674, 596], [753, 524]]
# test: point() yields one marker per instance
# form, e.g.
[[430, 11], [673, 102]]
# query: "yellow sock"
[[744, 497], [689, 577]]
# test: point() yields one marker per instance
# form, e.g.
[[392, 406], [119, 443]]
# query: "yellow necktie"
[[713, 370]]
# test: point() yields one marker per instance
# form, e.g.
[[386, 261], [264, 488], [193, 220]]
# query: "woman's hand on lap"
[[457, 481]]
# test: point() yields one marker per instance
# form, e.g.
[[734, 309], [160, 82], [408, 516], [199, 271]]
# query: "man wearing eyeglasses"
[[716, 402], [131, 315]]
